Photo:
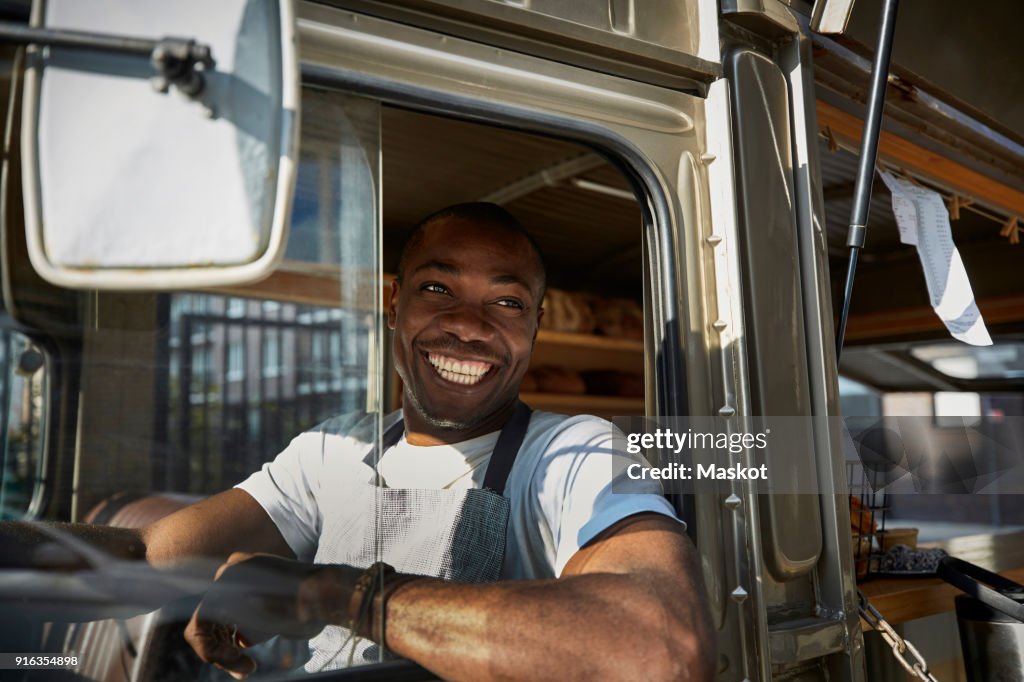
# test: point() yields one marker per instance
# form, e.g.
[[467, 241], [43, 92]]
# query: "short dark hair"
[[481, 212]]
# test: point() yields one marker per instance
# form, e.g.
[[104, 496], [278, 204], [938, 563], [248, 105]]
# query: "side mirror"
[[831, 16], [131, 183]]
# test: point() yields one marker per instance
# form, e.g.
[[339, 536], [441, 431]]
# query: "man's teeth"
[[459, 372]]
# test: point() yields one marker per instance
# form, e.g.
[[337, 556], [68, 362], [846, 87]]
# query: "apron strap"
[[392, 435], [506, 449]]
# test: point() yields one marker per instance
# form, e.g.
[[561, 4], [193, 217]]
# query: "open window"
[[589, 356]]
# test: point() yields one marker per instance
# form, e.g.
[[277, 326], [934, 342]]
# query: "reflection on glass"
[[191, 392], [250, 369], [252, 381], [22, 423]]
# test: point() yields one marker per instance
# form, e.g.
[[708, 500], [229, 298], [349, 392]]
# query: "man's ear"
[[392, 304]]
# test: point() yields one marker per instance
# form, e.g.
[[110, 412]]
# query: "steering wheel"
[[47, 582]]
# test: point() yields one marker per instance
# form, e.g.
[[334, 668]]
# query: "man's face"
[[465, 318]]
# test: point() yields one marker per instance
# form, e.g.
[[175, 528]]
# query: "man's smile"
[[465, 372]]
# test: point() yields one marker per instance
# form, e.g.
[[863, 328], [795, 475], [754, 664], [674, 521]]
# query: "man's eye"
[[511, 303], [434, 287]]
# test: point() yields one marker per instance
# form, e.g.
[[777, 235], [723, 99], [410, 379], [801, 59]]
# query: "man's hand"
[[257, 596]]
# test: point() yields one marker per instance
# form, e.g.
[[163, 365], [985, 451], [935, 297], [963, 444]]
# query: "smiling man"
[[469, 290], [515, 558], [480, 539]]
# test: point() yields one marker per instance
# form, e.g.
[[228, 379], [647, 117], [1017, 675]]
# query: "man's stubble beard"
[[440, 422]]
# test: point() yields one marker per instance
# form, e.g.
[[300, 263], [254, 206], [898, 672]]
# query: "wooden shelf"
[[310, 284], [317, 285], [590, 341], [900, 152], [599, 405], [587, 351]]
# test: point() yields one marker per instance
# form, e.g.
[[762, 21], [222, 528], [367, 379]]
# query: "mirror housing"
[[129, 184]]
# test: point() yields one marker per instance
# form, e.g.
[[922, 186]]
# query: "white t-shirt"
[[567, 485]]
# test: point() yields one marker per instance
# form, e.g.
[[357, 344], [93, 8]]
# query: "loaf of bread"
[[620, 317], [567, 312]]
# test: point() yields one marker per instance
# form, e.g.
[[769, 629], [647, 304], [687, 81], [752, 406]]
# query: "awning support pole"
[[868, 157]]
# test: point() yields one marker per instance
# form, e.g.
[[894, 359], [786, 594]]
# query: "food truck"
[[199, 233]]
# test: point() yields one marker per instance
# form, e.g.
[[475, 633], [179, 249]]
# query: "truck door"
[[789, 598]]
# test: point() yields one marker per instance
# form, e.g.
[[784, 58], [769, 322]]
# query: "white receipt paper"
[[923, 221]]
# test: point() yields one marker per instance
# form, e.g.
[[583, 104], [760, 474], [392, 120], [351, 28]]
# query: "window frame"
[[666, 280]]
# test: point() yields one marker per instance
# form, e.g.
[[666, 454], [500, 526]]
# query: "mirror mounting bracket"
[[176, 61]]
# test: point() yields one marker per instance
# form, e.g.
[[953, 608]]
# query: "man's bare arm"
[[629, 605], [212, 529]]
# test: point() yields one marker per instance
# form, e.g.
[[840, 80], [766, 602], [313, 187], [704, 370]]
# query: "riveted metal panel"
[[790, 524]]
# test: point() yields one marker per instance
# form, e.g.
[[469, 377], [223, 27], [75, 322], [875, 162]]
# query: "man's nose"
[[467, 323]]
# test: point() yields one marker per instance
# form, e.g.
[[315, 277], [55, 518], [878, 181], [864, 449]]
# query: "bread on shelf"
[[580, 313], [621, 318], [590, 357], [566, 311], [550, 379]]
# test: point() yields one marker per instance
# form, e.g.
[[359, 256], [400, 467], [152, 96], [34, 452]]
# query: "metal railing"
[[244, 379]]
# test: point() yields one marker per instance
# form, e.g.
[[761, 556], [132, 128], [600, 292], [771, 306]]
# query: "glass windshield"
[[184, 394], [285, 387]]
